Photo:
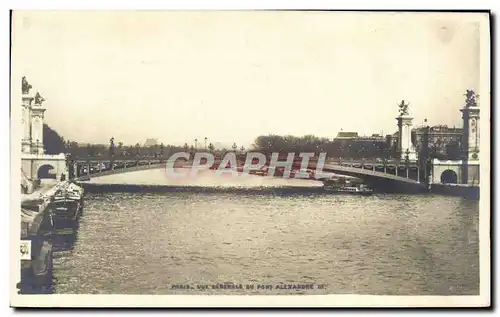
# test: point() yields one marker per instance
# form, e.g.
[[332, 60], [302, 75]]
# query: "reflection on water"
[[384, 244]]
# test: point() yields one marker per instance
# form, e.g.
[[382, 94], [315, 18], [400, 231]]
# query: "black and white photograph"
[[282, 158]]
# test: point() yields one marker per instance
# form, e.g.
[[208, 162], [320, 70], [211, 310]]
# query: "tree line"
[[267, 144], [355, 149]]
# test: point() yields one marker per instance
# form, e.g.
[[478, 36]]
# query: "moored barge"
[[36, 252]]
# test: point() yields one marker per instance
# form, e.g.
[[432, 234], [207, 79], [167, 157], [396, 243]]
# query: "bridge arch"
[[44, 166], [46, 171], [449, 177], [446, 172], [378, 179]]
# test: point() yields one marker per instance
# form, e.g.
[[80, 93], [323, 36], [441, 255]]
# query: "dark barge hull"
[[65, 216]]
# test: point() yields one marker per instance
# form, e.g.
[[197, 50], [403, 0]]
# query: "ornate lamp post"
[[206, 143], [192, 150], [112, 147], [242, 150], [407, 162], [161, 152]]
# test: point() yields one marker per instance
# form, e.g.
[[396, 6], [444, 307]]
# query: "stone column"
[[27, 99], [470, 116], [405, 146], [37, 114], [471, 141]]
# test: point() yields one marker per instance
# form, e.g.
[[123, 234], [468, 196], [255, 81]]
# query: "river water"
[[164, 243]]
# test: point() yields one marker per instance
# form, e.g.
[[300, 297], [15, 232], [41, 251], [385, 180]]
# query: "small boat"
[[303, 174], [351, 190]]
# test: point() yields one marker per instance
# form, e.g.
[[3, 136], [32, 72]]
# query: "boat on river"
[[66, 207], [351, 190], [36, 252], [343, 188]]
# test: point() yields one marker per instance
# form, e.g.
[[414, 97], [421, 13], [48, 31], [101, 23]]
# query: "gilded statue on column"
[[25, 86], [38, 99], [403, 108], [470, 99]]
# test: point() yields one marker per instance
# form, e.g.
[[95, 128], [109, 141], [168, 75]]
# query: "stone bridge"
[[391, 175], [394, 178]]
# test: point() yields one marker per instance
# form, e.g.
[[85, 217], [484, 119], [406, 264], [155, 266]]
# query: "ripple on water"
[[392, 244]]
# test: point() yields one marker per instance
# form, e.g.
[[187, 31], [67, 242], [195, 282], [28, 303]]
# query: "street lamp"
[[242, 149], [407, 162], [192, 151], [206, 143]]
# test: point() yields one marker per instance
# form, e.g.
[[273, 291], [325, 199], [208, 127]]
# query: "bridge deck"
[[329, 166]]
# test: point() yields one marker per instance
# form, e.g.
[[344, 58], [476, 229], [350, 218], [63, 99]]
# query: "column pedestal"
[[405, 145]]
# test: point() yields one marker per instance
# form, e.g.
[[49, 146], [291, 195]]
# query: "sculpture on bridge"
[[470, 99], [403, 108], [39, 99], [25, 86]]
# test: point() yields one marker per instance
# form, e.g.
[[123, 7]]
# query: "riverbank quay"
[[41, 228], [457, 190]]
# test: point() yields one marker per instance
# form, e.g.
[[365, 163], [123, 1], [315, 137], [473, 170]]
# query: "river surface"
[[164, 243]]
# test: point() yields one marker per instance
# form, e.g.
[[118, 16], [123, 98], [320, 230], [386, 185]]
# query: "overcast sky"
[[231, 76]]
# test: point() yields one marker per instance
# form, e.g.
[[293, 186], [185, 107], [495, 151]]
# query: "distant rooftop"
[[347, 135], [440, 129], [151, 142], [356, 136]]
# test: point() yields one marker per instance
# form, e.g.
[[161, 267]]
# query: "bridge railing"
[[95, 165], [99, 167]]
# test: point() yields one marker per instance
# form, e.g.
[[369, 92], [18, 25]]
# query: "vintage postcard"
[[250, 159]]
